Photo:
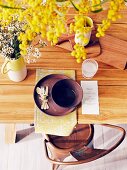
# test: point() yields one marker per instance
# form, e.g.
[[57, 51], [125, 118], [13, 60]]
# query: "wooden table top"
[[16, 99]]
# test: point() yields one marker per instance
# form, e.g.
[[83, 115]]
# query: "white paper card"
[[90, 103]]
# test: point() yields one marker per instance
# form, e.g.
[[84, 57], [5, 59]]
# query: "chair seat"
[[81, 136], [78, 145]]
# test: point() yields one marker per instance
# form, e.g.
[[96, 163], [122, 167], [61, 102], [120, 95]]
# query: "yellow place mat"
[[55, 125]]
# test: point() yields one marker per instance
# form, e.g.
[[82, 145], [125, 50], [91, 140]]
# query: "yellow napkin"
[[55, 125]]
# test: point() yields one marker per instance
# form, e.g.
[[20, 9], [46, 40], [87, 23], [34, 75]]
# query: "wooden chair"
[[57, 148]]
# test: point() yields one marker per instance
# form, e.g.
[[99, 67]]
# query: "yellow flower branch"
[[48, 19]]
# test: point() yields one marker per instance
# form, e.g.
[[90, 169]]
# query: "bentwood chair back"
[[78, 145]]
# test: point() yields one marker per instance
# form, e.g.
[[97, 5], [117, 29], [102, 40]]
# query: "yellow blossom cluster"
[[44, 18], [80, 27], [96, 5], [80, 24], [79, 53], [84, 6], [113, 15]]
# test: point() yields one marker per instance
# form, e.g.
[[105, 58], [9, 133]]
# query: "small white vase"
[[87, 35], [16, 69]]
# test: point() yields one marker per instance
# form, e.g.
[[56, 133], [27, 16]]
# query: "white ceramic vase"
[[87, 35], [16, 69]]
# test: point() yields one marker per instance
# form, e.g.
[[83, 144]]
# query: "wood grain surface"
[[16, 99], [10, 133]]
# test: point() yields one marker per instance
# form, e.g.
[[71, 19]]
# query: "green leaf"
[[98, 10], [17, 54], [74, 5], [9, 7]]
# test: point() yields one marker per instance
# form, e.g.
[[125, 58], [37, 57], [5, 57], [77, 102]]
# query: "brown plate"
[[54, 109]]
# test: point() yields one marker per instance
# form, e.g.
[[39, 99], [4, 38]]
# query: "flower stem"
[[74, 5], [9, 7]]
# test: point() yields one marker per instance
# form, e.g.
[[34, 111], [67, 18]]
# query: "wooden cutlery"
[[43, 92]]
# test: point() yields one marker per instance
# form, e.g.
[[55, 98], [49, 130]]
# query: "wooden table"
[[16, 99]]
